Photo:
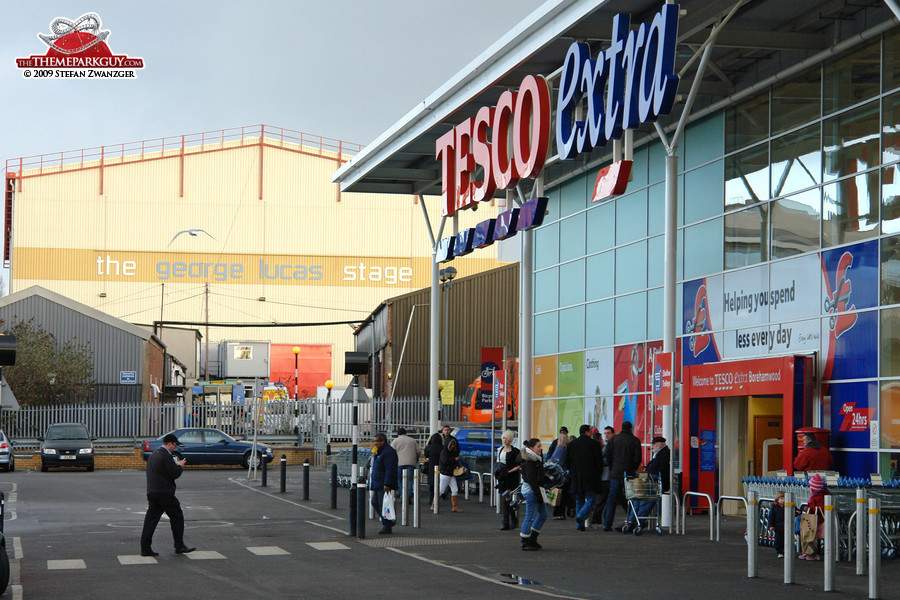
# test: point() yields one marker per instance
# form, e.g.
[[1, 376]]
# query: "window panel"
[[631, 217], [599, 319], [890, 342], [747, 177], [703, 192], [600, 275], [655, 310], [656, 221], [656, 260], [571, 278], [571, 329], [890, 270], [890, 129], [601, 223], [546, 246], [796, 161], [852, 77], [631, 318], [573, 196], [631, 267], [546, 290], [795, 224], [797, 101], [891, 76], [746, 237], [851, 141], [546, 333], [700, 244], [704, 141], [572, 237], [890, 199], [850, 209], [747, 123]]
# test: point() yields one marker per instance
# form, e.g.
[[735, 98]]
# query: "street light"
[[296, 352], [447, 275], [328, 384]]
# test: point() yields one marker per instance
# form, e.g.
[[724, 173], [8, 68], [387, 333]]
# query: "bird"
[[192, 232]]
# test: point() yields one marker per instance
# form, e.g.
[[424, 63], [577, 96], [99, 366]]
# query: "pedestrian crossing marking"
[[205, 555], [59, 565], [136, 559], [267, 550], [327, 546]]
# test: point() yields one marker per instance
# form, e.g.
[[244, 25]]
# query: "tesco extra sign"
[[629, 83]]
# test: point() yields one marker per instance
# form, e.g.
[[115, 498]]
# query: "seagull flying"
[[192, 232]]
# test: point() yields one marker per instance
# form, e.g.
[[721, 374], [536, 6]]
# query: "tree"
[[44, 375]]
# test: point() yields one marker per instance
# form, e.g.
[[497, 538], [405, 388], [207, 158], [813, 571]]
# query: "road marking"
[[273, 496], [482, 577], [327, 546], [59, 565], [267, 550], [322, 525], [205, 555], [136, 559], [16, 592], [10, 515], [17, 548]]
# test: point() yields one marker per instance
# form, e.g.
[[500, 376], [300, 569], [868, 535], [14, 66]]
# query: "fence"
[[306, 418]]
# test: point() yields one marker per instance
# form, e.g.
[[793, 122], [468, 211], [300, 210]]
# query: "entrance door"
[[767, 427], [733, 445]]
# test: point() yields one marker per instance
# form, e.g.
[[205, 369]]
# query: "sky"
[[342, 69], [337, 68]]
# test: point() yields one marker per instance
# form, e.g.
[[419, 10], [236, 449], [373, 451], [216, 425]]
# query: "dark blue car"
[[203, 446]]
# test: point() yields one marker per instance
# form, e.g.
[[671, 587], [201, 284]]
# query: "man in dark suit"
[[585, 461], [163, 468]]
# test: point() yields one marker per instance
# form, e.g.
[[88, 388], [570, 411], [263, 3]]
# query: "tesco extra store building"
[[751, 240]]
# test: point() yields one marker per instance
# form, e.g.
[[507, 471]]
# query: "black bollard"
[[283, 473], [2, 510], [360, 508], [265, 473], [306, 479], [352, 509], [334, 485]]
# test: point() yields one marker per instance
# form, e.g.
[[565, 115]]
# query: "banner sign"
[[662, 379]]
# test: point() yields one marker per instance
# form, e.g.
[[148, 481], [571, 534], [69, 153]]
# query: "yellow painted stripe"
[[874, 511]]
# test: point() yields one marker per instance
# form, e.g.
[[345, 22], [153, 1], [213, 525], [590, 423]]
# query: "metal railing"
[[719, 511], [712, 511]]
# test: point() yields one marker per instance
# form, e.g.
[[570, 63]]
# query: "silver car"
[[7, 460]]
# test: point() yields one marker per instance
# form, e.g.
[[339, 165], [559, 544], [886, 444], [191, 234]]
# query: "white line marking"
[[205, 555], [17, 548], [523, 588], [274, 497], [16, 592], [267, 550], [136, 559], [11, 515], [323, 526], [70, 563], [327, 545]]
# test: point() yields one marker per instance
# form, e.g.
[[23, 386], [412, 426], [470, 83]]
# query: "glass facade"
[[793, 192]]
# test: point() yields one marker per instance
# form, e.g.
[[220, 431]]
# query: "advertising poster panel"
[[702, 315], [854, 408], [598, 388], [570, 375], [631, 386]]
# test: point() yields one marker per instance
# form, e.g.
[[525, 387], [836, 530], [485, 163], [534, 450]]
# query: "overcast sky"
[[336, 68]]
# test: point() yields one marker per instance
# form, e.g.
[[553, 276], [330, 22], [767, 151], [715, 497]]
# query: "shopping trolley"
[[642, 489]]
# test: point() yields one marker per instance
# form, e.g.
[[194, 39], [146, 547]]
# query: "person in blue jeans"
[[625, 458], [531, 463], [657, 469], [585, 461]]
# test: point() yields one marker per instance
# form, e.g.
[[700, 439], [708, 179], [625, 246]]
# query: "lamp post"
[[447, 275], [328, 384], [296, 352]]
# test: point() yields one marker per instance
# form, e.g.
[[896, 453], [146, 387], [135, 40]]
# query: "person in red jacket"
[[813, 457]]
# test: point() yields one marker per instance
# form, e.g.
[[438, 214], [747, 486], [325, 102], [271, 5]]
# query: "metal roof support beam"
[[434, 356], [892, 4]]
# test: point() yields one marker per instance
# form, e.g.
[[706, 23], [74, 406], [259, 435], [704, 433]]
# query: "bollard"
[[437, 490], [752, 534], [829, 543], [416, 498], [404, 496], [352, 509], [371, 510], [2, 510], [789, 537], [283, 473], [306, 479], [265, 474], [874, 548], [861, 531], [360, 514], [334, 485]]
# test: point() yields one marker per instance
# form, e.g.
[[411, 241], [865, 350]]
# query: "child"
[[776, 523]]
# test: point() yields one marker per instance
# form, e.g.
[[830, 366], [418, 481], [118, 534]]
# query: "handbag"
[[387, 507], [459, 471], [809, 524], [552, 496]]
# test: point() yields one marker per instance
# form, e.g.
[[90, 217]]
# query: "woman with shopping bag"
[[812, 521], [383, 482], [450, 469]]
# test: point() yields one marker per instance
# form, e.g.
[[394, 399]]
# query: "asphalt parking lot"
[[75, 534]]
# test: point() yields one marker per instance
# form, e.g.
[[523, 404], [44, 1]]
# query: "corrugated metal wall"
[[484, 311]]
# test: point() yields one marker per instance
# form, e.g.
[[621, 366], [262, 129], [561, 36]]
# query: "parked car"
[[203, 446], [67, 445], [7, 459]]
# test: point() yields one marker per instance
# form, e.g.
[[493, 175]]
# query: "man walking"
[[585, 461], [625, 458], [163, 468], [384, 478], [407, 458]]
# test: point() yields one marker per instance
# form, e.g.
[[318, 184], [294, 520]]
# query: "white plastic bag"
[[387, 507]]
